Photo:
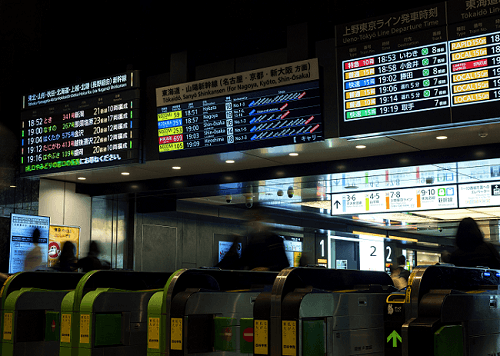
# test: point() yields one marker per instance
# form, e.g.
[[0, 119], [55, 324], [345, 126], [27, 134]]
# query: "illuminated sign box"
[[266, 107]]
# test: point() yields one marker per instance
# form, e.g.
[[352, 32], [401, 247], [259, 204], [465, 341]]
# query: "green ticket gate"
[[106, 313], [316, 311], [447, 310], [31, 305], [206, 311]]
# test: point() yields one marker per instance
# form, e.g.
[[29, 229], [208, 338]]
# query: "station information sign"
[[268, 107], [479, 194], [87, 125], [395, 200]]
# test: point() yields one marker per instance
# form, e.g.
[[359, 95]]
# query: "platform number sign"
[[321, 251]]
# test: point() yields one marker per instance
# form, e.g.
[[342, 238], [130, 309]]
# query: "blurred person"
[[403, 272], [33, 260], [91, 262], [399, 281], [231, 259], [67, 261], [265, 250], [472, 250]]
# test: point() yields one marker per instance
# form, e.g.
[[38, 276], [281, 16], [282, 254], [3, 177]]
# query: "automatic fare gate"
[[206, 311], [446, 310], [313, 311], [30, 318], [107, 313]]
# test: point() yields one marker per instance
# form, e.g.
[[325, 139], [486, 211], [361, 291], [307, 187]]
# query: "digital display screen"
[[21, 240], [396, 83], [415, 69], [99, 128], [269, 107]]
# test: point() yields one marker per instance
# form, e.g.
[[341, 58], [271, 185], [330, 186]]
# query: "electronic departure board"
[[230, 116], [413, 69], [394, 72], [87, 125], [474, 46]]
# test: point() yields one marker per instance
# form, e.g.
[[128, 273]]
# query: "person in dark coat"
[[472, 250], [91, 262], [265, 250], [67, 261]]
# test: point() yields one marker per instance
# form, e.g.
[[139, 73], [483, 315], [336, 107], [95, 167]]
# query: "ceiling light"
[[360, 147], [81, 178], [125, 173], [12, 186], [229, 161], [293, 154], [441, 137], [176, 167]]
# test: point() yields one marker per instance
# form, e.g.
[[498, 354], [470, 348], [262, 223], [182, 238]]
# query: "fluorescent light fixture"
[[293, 154], [229, 161], [360, 147], [125, 173], [81, 178], [441, 137], [176, 167]]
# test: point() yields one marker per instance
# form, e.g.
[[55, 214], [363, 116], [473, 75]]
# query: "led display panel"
[[262, 108], [86, 125]]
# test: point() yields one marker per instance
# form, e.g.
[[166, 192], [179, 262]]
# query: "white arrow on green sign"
[[395, 337]]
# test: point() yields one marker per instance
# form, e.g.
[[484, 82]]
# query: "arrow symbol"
[[337, 203], [395, 337]]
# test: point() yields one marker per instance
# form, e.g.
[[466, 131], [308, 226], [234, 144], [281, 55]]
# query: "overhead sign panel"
[[86, 125], [395, 200], [266, 107]]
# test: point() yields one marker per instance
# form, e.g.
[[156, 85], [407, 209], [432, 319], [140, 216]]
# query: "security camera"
[[290, 192], [229, 198], [248, 201]]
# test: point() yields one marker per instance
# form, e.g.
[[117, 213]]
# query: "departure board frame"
[[392, 72], [86, 125], [266, 107]]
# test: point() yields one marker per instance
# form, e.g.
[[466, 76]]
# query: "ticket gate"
[[316, 311], [31, 305], [106, 313], [206, 311], [447, 310]]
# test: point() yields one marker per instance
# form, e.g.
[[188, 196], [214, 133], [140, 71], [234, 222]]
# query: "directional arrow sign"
[[395, 337], [337, 203]]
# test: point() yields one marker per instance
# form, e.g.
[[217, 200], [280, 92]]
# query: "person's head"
[[94, 248], [67, 251], [36, 236], [468, 234], [401, 260]]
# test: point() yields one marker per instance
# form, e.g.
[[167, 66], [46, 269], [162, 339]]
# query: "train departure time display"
[[396, 83], [244, 119], [98, 128]]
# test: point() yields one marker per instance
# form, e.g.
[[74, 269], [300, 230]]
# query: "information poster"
[[371, 253], [58, 235], [21, 239]]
